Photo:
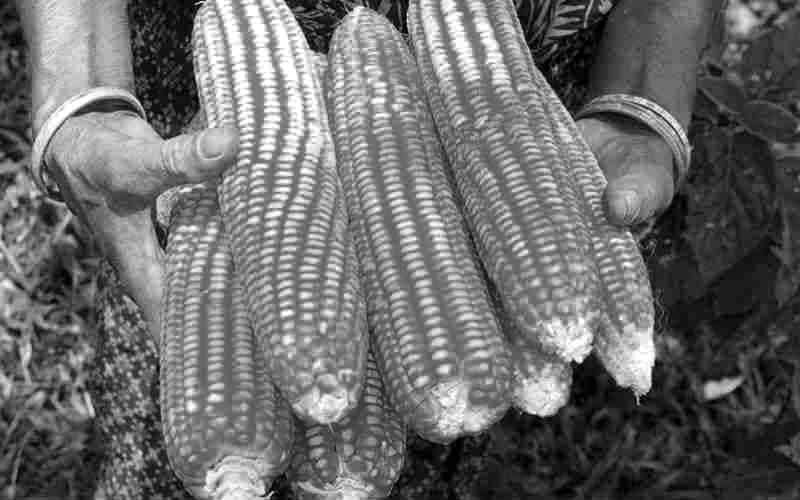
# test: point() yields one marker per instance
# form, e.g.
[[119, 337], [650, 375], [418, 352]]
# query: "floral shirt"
[[550, 23], [559, 34]]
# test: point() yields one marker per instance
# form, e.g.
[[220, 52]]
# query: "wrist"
[[676, 99], [50, 95], [650, 48], [101, 99], [74, 45], [660, 122]]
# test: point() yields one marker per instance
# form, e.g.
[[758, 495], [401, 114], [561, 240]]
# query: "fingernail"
[[628, 205], [212, 144]]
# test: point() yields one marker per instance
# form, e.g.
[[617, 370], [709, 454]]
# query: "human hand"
[[638, 164], [110, 168]]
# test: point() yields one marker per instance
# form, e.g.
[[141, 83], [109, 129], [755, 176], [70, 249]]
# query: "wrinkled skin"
[[111, 167], [638, 165]]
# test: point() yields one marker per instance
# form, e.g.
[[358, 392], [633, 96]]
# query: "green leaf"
[[786, 284], [787, 175], [747, 283], [791, 80], [786, 326], [756, 58], [770, 121], [761, 448], [792, 449], [796, 404], [786, 41], [761, 480], [771, 55], [725, 93], [730, 199], [705, 109]]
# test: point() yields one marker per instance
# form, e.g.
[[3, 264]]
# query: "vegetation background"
[[722, 420]]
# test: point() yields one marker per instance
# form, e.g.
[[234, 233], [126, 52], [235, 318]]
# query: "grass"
[[46, 318], [680, 442]]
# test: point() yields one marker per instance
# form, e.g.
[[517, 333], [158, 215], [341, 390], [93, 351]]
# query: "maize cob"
[[624, 326], [445, 363], [199, 121], [518, 197], [321, 63], [228, 432], [540, 382], [282, 204], [624, 341], [358, 458]]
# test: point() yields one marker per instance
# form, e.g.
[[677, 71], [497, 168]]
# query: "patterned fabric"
[[548, 23], [558, 31], [562, 35], [124, 388]]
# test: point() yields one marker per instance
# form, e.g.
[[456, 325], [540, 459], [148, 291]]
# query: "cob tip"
[[570, 337], [236, 478], [545, 392], [345, 488], [631, 367], [327, 402], [445, 412]]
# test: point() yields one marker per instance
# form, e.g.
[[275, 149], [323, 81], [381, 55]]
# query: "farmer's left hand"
[[637, 163]]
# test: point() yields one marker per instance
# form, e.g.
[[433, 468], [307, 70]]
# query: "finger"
[[122, 157], [188, 158], [641, 193]]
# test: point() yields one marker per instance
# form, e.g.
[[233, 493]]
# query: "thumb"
[[636, 196], [190, 158]]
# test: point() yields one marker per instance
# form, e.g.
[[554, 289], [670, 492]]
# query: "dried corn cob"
[[528, 229], [624, 341], [541, 382], [358, 458], [228, 432], [282, 204], [624, 336], [624, 329], [447, 368], [321, 63], [199, 121]]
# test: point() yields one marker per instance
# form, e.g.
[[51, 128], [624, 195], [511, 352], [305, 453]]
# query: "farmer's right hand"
[[110, 167]]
